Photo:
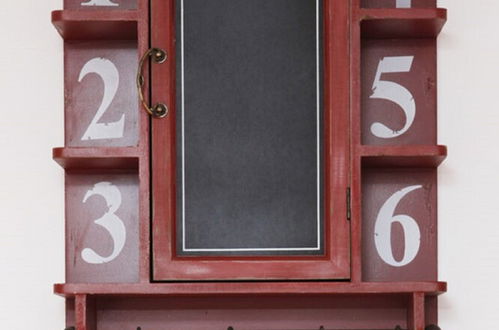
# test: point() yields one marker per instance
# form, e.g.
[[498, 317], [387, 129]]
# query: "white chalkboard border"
[[318, 107]]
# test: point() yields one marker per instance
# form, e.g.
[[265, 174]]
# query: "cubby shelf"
[[402, 23], [94, 158], [403, 156], [250, 288], [96, 24]]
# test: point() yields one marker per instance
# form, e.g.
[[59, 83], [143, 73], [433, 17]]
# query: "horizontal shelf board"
[[250, 288], [402, 156], [402, 23], [96, 24], [97, 158]]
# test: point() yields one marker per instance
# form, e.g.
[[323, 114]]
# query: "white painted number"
[[394, 92], [383, 230], [109, 221], [101, 3], [404, 3], [110, 75]]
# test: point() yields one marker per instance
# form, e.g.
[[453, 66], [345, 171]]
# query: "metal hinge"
[[349, 204]]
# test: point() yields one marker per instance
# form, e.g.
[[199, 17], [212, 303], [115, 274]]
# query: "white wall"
[[468, 197], [31, 184]]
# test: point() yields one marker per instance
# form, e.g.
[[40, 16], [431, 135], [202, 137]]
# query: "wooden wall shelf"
[[116, 170], [109, 158], [403, 156], [96, 24], [250, 288], [402, 23]]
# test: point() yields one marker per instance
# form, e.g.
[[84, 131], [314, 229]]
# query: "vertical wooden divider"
[[144, 163], [86, 318], [355, 136], [416, 312]]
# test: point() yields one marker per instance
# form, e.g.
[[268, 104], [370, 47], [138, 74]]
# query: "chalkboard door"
[[250, 166]]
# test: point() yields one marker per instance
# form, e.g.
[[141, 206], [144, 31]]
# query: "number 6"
[[394, 92], [383, 230]]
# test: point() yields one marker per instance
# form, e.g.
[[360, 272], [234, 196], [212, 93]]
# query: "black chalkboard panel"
[[249, 127]]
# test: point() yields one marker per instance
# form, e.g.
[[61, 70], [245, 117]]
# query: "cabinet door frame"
[[335, 263]]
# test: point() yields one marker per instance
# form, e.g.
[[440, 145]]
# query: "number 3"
[[110, 75], [109, 221], [101, 3], [394, 92], [383, 230]]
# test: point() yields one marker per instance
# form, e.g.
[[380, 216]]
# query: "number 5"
[[383, 230], [394, 92], [109, 221]]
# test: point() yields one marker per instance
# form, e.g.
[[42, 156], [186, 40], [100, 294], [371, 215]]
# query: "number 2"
[[394, 92], [101, 3], [383, 230], [110, 75], [109, 221], [403, 4]]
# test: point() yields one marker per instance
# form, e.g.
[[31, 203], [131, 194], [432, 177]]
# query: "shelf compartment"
[[96, 24], [250, 288], [94, 69], [237, 312], [399, 224], [377, 105], [94, 253], [403, 156], [97, 158], [402, 23]]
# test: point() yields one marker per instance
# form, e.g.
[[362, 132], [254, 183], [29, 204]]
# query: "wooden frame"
[[335, 263]]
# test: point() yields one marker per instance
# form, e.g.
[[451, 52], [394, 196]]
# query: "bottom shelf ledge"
[[252, 305], [249, 288]]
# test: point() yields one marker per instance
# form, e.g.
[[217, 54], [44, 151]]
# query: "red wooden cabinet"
[[292, 183]]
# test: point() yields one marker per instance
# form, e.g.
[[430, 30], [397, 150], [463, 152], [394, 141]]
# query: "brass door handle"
[[159, 110]]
